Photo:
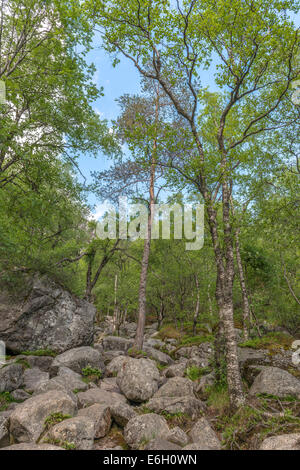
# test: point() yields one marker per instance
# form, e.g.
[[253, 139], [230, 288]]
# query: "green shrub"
[[40, 352], [194, 372]]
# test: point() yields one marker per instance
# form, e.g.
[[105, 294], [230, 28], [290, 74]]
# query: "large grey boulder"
[[101, 416], [154, 343], [77, 359], [11, 377], [4, 432], [20, 395], [186, 405], [159, 356], [32, 446], [41, 362], [176, 387], [72, 380], [176, 396], [28, 419], [203, 435], [109, 384], [161, 444], [66, 380], [175, 370], [116, 343], [178, 436], [114, 367], [142, 429], [283, 442], [249, 356], [204, 382], [122, 413], [78, 431], [278, 382], [34, 378], [47, 317], [138, 379], [197, 446], [102, 397]]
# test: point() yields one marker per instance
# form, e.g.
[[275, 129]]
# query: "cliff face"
[[47, 317]]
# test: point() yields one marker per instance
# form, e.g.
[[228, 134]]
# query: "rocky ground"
[[104, 397]]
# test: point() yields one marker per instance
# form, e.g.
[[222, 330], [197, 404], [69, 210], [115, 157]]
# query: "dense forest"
[[232, 147]]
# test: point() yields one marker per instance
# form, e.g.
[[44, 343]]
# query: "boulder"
[[34, 378], [154, 343], [176, 370], [178, 436], [78, 431], [116, 343], [202, 434], [101, 416], [77, 359], [32, 446], [109, 384], [278, 382], [4, 432], [20, 395], [102, 397], [197, 446], [283, 442], [47, 317], [176, 387], [41, 362], [159, 356], [142, 429], [186, 405], [72, 380], [114, 367], [57, 383], [161, 444], [122, 413], [138, 379], [28, 419], [11, 377], [204, 382], [108, 356], [249, 356]]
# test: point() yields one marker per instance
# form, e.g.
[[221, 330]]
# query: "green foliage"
[[91, 373], [23, 363], [55, 418], [5, 400], [133, 352], [195, 340], [64, 444], [194, 373], [218, 398], [40, 352], [249, 426], [271, 341]]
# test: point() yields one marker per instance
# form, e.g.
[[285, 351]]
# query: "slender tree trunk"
[[224, 294], [246, 305], [197, 308], [245, 299], [209, 301], [115, 315], [139, 337], [160, 315]]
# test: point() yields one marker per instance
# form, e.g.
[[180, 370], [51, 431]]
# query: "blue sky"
[[116, 81], [124, 78]]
